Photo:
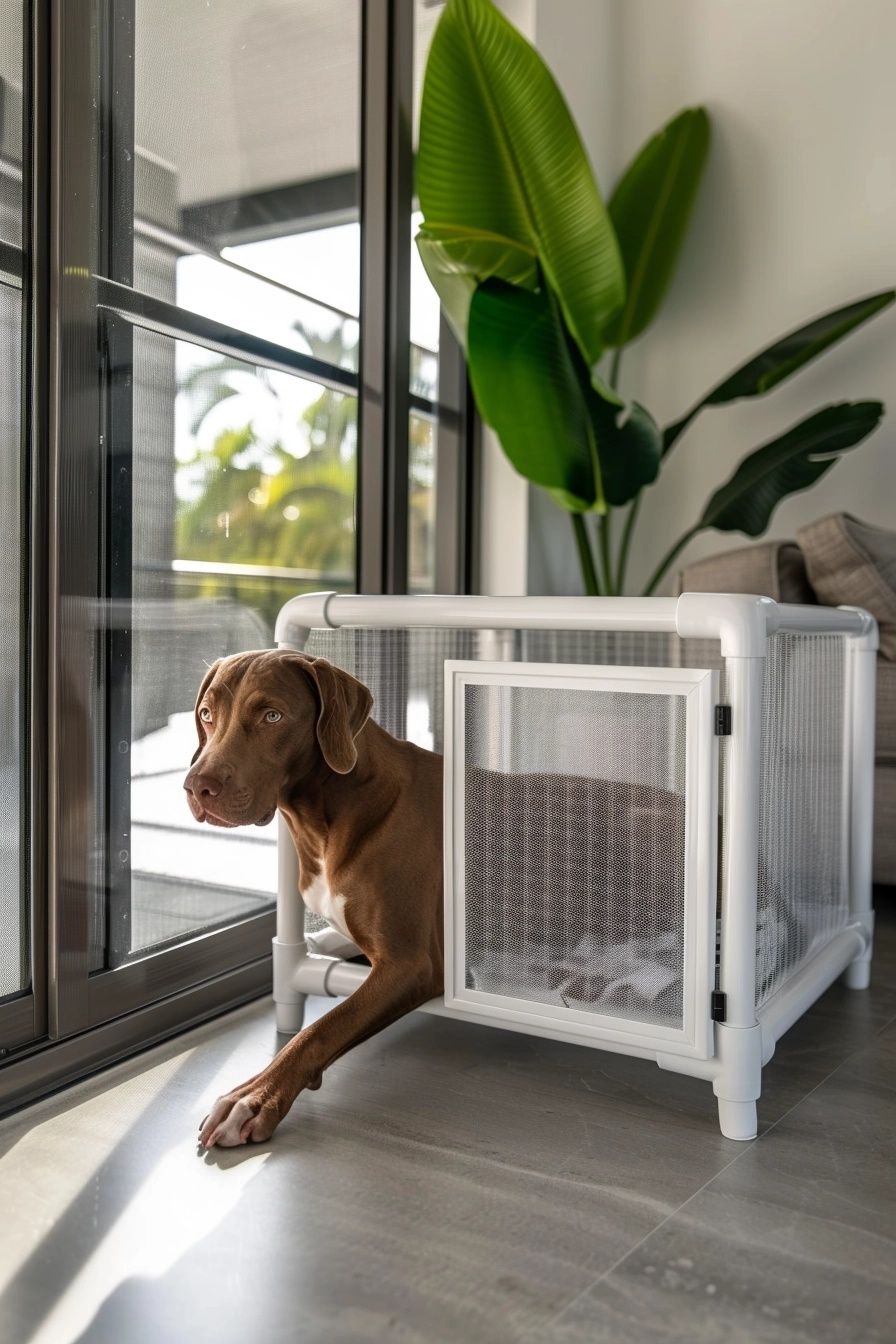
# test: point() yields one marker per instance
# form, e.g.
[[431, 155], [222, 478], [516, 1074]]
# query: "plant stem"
[[613, 379], [667, 560], [627, 541], [586, 559], [604, 533]]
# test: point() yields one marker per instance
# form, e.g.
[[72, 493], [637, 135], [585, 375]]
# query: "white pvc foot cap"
[[737, 1119], [857, 975]]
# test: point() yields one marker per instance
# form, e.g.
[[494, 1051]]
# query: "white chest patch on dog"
[[321, 900]]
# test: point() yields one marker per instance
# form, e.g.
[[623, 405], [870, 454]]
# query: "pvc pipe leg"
[[737, 1119], [290, 1016], [739, 1082], [858, 974]]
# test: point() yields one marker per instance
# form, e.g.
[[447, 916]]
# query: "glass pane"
[[15, 951], [424, 359], [244, 494], [422, 504], [246, 129], [11, 67], [15, 971], [325, 263], [422, 441]]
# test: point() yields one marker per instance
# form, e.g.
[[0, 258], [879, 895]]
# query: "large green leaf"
[[559, 430], [526, 388], [457, 260], [499, 154], [650, 209], [629, 443], [786, 465], [785, 357]]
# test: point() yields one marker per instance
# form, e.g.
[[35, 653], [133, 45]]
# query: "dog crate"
[[657, 815]]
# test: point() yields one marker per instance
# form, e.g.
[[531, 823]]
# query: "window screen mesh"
[[574, 848]]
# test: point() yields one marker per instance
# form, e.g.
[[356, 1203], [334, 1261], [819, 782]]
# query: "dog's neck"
[[322, 805]]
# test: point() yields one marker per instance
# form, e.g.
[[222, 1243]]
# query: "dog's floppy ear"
[[345, 705], [200, 733]]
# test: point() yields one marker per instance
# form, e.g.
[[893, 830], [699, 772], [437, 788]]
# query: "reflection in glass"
[[421, 504], [246, 128], [15, 971], [15, 952], [244, 484], [11, 65]]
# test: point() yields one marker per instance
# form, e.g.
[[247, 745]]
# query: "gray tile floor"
[[454, 1183]]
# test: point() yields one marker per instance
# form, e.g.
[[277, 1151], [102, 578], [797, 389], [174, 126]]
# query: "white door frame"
[[699, 688]]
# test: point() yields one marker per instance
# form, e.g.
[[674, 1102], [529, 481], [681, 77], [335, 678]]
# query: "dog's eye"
[[205, 714], [273, 716]]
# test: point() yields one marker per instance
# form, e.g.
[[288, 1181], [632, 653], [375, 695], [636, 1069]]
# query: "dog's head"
[[265, 721]]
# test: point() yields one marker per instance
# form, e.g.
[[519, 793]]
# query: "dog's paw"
[[234, 1120]]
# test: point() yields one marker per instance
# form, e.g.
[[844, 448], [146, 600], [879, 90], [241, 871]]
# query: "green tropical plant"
[[545, 285]]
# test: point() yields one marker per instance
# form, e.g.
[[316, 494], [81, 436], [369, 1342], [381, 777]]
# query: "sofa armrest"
[[770, 569]]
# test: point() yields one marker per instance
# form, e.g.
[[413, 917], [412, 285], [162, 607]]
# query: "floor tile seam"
[[637, 1246], [746, 1149]]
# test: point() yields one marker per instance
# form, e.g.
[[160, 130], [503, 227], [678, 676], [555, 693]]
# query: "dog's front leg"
[[253, 1110]]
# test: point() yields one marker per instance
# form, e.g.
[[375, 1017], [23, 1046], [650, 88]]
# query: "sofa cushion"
[[885, 825], [885, 726], [851, 563], [771, 569]]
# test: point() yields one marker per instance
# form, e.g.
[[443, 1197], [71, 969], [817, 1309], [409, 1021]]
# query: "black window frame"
[[23, 1016], [81, 310]]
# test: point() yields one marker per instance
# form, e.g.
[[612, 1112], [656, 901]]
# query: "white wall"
[[797, 214]]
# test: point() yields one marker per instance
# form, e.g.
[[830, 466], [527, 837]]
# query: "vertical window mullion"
[[35, 375], [116, 392], [386, 192], [455, 471], [75, 717]]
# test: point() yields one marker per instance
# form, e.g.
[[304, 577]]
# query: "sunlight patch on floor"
[[31, 1173], [180, 1203]]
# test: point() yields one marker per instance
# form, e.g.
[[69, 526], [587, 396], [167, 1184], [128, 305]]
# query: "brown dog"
[[281, 730]]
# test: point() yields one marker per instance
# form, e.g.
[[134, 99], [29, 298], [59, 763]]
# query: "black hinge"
[[723, 720], [718, 1005]]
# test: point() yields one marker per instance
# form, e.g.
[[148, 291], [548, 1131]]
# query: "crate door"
[[580, 851]]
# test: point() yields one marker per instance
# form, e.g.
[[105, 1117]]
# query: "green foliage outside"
[[247, 497]]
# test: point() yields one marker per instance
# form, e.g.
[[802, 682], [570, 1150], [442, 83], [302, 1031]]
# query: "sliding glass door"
[[206, 303], [227, 404]]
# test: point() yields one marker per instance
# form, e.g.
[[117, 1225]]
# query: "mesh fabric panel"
[[562, 783], [574, 849], [626, 648], [404, 669], [803, 894]]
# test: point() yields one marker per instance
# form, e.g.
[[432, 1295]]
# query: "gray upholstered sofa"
[[837, 561]]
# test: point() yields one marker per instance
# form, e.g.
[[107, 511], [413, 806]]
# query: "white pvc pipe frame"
[[742, 624]]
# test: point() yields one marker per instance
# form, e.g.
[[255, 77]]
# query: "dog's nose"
[[203, 786]]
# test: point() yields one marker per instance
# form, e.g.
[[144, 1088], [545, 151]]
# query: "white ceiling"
[[239, 95]]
